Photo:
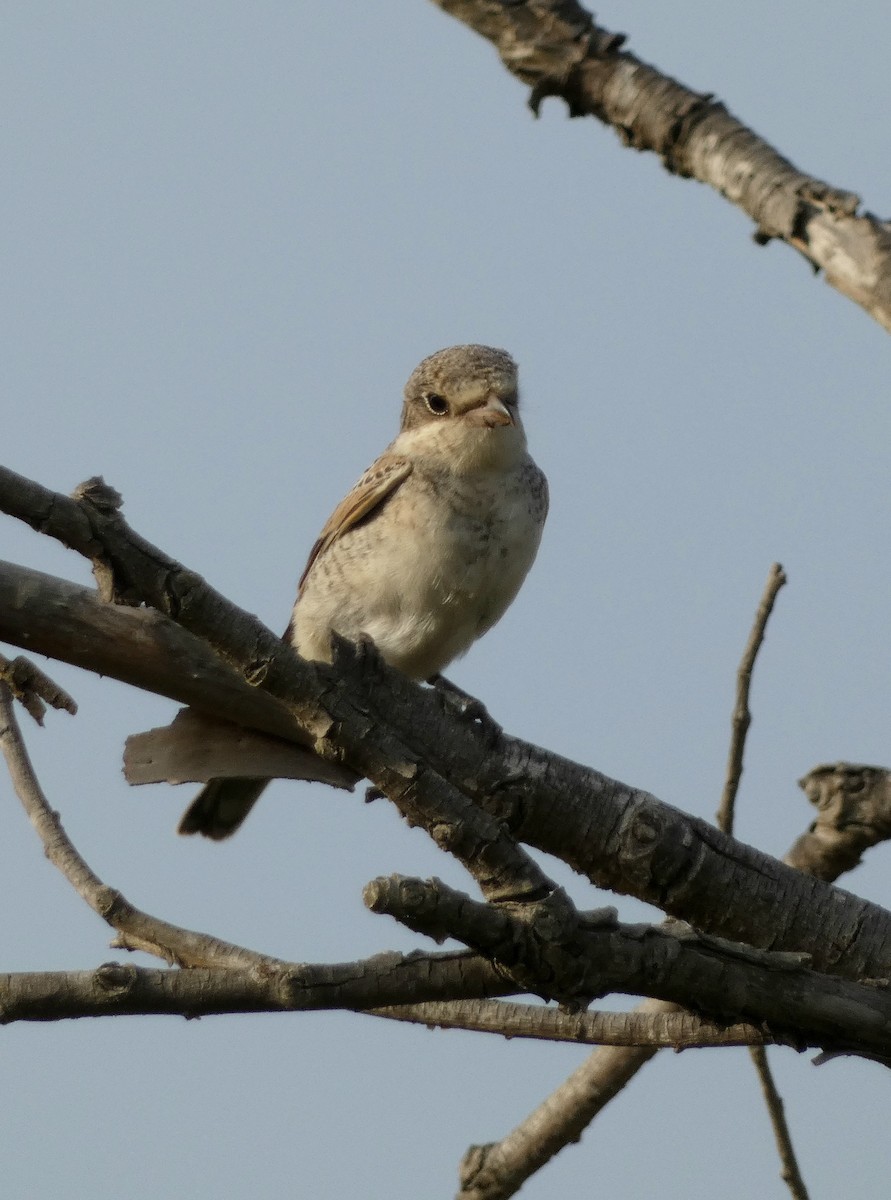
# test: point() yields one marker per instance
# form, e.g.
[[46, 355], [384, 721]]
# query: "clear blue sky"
[[229, 232]]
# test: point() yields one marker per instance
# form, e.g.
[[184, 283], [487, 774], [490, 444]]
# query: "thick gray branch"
[[595, 956], [555, 48]]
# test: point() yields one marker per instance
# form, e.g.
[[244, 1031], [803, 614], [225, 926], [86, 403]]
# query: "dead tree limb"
[[556, 49], [359, 713]]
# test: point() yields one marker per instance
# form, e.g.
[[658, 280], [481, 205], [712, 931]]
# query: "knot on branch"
[[646, 844], [101, 504], [850, 794], [99, 495], [33, 688], [115, 979], [853, 803], [551, 63], [830, 199], [540, 946], [110, 903], [475, 1175], [255, 672]]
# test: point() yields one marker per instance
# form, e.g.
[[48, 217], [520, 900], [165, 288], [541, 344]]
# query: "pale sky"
[[229, 232]]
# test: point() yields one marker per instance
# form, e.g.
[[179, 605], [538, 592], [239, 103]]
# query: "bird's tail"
[[234, 764], [221, 806]]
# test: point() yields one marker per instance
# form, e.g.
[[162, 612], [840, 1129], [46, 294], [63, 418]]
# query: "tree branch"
[[141, 647], [360, 712], [723, 981], [580, 957], [555, 47], [368, 717], [647, 1027], [496, 1171], [33, 689], [742, 716], [117, 989], [853, 804], [790, 1172], [499, 1169], [250, 982], [138, 930]]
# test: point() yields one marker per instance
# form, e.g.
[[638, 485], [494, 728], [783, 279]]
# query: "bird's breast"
[[430, 573]]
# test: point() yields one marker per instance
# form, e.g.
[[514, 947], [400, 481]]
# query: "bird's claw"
[[465, 707]]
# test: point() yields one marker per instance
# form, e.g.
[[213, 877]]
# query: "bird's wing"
[[381, 480]]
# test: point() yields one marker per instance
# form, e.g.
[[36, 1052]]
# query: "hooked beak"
[[491, 414]]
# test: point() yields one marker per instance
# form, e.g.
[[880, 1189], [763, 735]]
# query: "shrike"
[[428, 549]]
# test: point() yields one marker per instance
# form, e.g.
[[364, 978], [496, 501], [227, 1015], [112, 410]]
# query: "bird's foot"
[[466, 707]]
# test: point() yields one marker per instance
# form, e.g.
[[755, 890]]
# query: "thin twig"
[[741, 720], [138, 930], [789, 1171], [742, 717], [385, 979]]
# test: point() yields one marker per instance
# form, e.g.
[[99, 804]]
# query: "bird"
[[429, 548]]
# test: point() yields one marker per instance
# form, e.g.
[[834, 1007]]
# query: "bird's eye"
[[437, 404]]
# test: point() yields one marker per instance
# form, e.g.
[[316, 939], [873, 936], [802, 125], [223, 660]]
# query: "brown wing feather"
[[381, 479]]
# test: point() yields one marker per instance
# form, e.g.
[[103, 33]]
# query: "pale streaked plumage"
[[429, 548]]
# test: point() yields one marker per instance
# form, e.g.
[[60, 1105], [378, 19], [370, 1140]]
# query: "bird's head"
[[464, 402]]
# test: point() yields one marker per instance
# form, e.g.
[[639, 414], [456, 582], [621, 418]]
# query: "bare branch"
[[119, 989], [497, 1170], [635, 961], [32, 688], [141, 647], [116, 989], [262, 982], [596, 955], [853, 804], [541, 944], [652, 1025], [138, 930], [742, 717], [789, 1169], [555, 47], [399, 735], [725, 979]]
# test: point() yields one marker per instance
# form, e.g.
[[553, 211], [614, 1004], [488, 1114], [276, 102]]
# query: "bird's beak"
[[494, 412]]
